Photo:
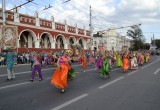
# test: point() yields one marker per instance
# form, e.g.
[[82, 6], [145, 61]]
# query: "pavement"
[[132, 90]]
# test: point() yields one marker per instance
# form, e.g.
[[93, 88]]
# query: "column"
[[16, 15], [37, 19], [65, 23], [53, 45], [66, 45], [37, 44], [53, 23]]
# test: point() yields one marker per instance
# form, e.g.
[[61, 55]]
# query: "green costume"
[[105, 70], [72, 74], [119, 61]]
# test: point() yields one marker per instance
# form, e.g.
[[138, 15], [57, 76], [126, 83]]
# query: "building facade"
[[38, 33], [111, 40]]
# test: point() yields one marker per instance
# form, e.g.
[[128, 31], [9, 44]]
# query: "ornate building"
[[36, 33]]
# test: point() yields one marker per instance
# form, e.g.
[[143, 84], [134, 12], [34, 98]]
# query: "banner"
[[8, 36]]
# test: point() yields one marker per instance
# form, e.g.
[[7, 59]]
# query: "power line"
[[28, 1], [52, 6]]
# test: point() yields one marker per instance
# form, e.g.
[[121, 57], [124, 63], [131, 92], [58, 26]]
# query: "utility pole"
[[4, 11], [90, 20], [90, 24]]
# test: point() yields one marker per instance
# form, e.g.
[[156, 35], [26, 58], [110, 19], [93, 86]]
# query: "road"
[[133, 90]]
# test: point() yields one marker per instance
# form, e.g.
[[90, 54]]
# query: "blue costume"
[[9, 56]]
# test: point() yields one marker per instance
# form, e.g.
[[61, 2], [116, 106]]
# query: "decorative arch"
[[32, 33], [27, 38], [81, 42], [60, 41], [71, 41], [45, 40]]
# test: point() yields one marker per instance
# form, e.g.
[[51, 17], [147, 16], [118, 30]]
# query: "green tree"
[[157, 42], [136, 34], [146, 46]]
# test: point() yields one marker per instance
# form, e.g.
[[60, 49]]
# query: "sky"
[[105, 13]]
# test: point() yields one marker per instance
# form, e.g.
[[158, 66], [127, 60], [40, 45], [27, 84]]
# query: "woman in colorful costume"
[[36, 67], [9, 56], [105, 70], [59, 78], [134, 62], [91, 59], [125, 61], [99, 62], [119, 61], [83, 60]]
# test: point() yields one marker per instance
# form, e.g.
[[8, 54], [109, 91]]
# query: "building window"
[[25, 19], [30, 20], [40, 22], [6, 15], [12, 16], [20, 18], [34, 21]]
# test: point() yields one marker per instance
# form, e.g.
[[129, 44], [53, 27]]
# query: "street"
[[132, 90]]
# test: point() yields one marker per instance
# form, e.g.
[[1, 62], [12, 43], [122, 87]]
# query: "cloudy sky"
[[105, 13]]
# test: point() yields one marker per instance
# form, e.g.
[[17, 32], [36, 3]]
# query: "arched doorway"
[[81, 43], [45, 41], [27, 39], [60, 41], [72, 41]]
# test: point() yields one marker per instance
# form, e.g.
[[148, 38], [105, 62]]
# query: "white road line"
[[156, 71], [69, 102], [105, 85], [115, 69], [150, 64], [48, 78], [132, 72], [31, 71], [13, 85], [91, 69]]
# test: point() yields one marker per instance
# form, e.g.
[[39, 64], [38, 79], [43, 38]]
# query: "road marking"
[[115, 69], [132, 72], [156, 71], [90, 69], [150, 64], [13, 85], [31, 71], [48, 78], [105, 85], [69, 102]]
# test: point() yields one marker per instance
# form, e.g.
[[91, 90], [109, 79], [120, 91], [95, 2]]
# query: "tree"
[[157, 42], [146, 46], [137, 35]]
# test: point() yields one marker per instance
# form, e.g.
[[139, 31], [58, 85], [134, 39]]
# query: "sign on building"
[[8, 36]]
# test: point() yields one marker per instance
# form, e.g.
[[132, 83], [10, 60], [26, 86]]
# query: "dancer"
[[105, 70], [83, 60], [134, 62], [9, 56], [119, 61], [125, 61], [36, 67], [59, 78], [99, 62]]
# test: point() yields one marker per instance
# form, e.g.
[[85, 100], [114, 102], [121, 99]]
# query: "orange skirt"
[[59, 78], [84, 64], [125, 64]]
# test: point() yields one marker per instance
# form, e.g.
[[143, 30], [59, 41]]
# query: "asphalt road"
[[133, 90]]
